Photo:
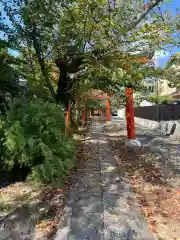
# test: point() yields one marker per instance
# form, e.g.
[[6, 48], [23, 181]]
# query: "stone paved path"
[[100, 206]]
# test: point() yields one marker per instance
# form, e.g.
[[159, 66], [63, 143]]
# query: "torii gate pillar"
[[83, 114], [130, 114], [108, 114], [67, 120]]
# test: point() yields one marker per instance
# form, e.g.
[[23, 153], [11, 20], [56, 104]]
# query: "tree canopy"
[[94, 44], [172, 71]]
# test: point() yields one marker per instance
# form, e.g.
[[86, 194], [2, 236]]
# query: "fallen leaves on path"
[[154, 187], [36, 209]]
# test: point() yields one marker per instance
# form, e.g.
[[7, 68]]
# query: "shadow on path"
[[100, 205]]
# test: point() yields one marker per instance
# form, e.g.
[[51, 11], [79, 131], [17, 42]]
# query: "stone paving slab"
[[100, 206]]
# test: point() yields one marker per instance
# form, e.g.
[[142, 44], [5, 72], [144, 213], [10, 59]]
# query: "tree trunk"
[[66, 85], [63, 92], [41, 61]]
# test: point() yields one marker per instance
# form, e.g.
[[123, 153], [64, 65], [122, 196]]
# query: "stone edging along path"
[[100, 205], [164, 127]]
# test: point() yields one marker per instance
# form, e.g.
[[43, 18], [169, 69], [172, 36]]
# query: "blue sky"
[[172, 6]]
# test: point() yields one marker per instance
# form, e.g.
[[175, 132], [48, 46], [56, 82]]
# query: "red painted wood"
[[83, 113], [108, 114], [130, 114], [100, 97], [107, 97], [67, 120]]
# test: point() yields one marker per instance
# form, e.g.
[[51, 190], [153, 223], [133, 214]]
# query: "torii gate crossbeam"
[[108, 113]]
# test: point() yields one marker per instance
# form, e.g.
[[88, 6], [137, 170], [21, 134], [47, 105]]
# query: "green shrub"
[[96, 104], [33, 136], [160, 99], [166, 100]]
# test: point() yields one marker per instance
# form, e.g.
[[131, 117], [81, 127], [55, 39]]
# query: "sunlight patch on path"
[[100, 206]]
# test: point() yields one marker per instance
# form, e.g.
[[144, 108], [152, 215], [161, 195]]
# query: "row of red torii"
[[129, 104], [129, 112]]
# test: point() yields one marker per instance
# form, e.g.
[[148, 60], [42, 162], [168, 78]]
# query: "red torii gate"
[[130, 114], [67, 119], [108, 113], [130, 103], [129, 106], [103, 96]]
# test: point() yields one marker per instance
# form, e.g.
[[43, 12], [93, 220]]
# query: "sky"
[[162, 57]]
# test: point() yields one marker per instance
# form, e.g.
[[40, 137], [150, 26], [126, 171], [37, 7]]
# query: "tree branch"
[[161, 14], [150, 7], [84, 30], [109, 12], [41, 61]]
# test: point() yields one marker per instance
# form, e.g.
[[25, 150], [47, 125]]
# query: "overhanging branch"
[[150, 7]]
